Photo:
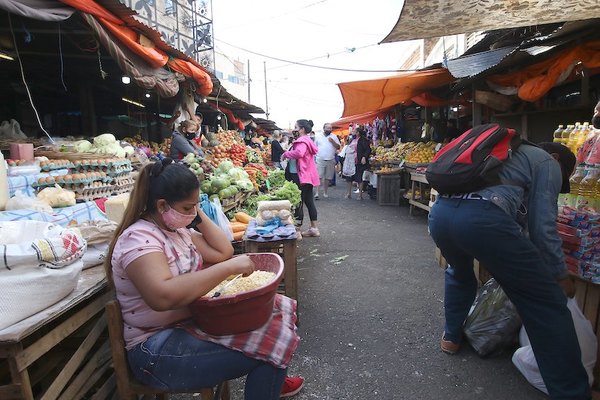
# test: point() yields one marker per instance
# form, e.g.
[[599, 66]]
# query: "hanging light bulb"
[[147, 95], [126, 80], [219, 117]]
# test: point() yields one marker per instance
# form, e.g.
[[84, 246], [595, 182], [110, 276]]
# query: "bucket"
[[242, 312]]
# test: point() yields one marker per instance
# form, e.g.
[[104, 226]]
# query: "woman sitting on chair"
[[155, 263]]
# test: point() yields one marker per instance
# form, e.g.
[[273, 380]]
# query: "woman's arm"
[[211, 241], [162, 291], [297, 151], [181, 144]]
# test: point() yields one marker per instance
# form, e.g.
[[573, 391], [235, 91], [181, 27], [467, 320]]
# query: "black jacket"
[[363, 149], [276, 151]]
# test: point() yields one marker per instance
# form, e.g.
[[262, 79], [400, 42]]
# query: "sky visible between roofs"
[[340, 34]]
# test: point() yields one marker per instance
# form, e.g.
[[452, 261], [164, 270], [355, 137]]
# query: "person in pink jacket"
[[302, 161]]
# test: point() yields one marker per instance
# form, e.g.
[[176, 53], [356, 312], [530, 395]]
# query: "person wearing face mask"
[[596, 117], [157, 266], [328, 144], [182, 141]]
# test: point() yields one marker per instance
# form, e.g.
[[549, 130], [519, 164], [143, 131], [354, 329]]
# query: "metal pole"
[[266, 93], [249, 80]]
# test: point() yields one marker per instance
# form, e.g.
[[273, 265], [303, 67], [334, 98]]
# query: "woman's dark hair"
[[305, 124], [160, 180], [361, 131]]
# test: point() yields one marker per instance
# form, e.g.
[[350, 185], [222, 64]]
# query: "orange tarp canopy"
[[363, 118], [188, 69], [536, 80], [155, 57], [93, 8], [364, 96]]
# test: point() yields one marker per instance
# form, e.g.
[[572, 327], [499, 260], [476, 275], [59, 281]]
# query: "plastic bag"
[[57, 197], [493, 322], [208, 208], [21, 201], [222, 220], [524, 358]]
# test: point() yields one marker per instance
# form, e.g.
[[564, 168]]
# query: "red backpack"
[[473, 160]]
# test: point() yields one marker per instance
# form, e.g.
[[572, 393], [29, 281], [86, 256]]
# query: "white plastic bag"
[[42, 263], [21, 201], [524, 359], [57, 196], [222, 220]]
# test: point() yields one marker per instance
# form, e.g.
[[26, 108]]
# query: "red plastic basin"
[[242, 312]]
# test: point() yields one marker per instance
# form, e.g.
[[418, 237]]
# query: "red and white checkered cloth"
[[275, 342]]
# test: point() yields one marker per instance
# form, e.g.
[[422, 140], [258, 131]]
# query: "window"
[[170, 7]]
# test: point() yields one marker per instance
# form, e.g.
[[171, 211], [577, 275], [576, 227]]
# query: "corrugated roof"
[[528, 51], [474, 64]]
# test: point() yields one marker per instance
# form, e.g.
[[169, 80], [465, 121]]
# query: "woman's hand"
[[241, 264], [363, 161]]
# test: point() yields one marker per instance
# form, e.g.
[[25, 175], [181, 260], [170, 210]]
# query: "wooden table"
[[288, 250], [63, 351], [422, 203]]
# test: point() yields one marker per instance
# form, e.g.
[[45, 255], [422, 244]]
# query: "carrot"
[[242, 217], [238, 235], [238, 227]]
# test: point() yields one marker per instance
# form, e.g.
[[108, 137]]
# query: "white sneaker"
[[325, 195], [356, 190], [317, 196]]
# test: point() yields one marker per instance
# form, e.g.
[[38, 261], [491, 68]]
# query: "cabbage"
[[225, 166], [245, 185], [237, 174], [128, 150], [104, 139], [83, 146]]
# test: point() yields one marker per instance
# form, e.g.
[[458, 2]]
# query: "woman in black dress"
[[363, 152]]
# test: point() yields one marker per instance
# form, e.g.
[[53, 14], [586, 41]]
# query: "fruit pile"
[[237, 153], [422, 153], [229, 138]]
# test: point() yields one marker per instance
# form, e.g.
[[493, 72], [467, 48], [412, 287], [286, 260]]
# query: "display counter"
[[63, 351], [418, 197]]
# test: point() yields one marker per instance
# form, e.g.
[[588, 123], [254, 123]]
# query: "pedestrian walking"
[[327, 144], [489, 225], [363, 153], [276, 150], [301, 158]]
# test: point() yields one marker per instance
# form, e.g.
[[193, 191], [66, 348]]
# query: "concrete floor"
[[370, 324]]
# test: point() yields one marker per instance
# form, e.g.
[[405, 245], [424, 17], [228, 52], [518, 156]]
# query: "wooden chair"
[[127, 386]]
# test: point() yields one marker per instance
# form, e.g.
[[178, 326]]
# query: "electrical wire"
[[12, 31], [62, 63], [328, 55], [316, 66]]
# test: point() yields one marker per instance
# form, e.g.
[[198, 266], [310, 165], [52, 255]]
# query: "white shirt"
[[326, 149]]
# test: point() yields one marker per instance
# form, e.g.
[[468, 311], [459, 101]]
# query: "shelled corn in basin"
[[256, 280]]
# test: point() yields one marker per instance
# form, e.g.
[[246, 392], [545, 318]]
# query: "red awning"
[[364, 96]]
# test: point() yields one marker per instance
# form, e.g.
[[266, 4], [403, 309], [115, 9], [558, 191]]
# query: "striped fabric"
[[24, 182], [274, 343], [79, 213]]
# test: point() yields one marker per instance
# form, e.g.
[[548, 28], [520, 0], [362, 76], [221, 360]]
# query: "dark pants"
[[468, 229], [309, 201]]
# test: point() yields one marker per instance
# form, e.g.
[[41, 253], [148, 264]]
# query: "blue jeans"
[[173, 360], [468, 229]]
